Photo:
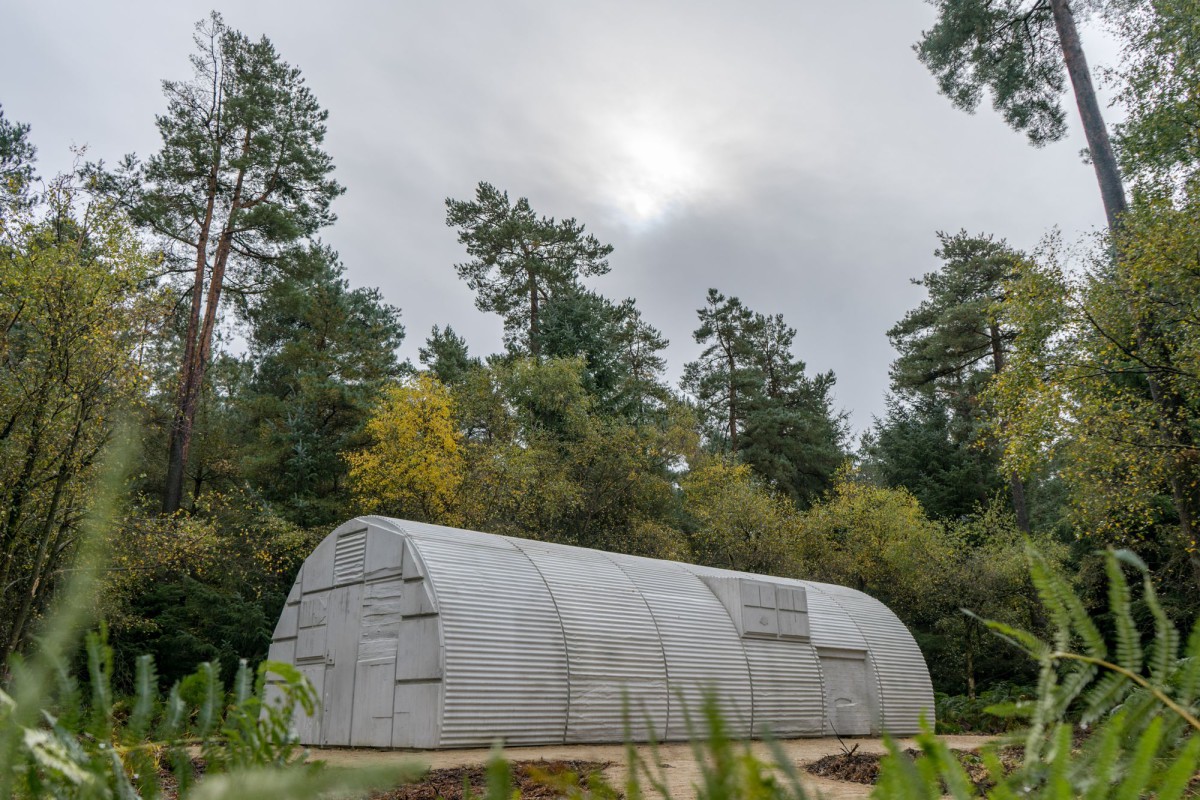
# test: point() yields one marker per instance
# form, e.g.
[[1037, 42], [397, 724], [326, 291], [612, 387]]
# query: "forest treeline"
[[1048, 396]]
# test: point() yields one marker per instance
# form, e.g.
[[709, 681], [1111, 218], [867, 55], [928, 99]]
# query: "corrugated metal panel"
[[505, 657], [904, 687], [613, 647], [702, 647], [540, 639], [787, 687]]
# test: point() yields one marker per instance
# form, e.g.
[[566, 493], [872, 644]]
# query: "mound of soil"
[[537, 780], [864, 767], [851, 766]]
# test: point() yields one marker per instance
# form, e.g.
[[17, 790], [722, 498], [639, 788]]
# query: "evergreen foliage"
[[921, 447], [445, 354], [241, 176], [756, 402], [17, 158], [951, 347], [321, 353], [1009, 48], [519, 261]]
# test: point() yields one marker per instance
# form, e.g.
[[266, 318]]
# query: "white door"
[[847, 695], [341, 657]]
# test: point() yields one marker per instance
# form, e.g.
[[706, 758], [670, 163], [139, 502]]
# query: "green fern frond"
[[1022, 640], [1101, 759], [243, 683], [1107, 693], [1141, 767], [1179, 774], [1058, 779], [1129, 646], [100, 665], [899, 777], [145, 695], [1044, 582], [208, 679], [1189, 672], [1165, 649]]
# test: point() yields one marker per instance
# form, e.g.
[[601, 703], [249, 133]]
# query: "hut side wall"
[[418, 635]]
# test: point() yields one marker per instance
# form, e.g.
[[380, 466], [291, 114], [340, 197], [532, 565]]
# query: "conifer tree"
[[724, 374], [520, 260], [641, 393], [321, 353], [241, 176], [953, 344], [793, 436], [1022, 51], [445, 354], [17, 157], [755, 400]]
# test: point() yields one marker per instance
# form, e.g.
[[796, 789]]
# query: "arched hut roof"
[[420, 635]]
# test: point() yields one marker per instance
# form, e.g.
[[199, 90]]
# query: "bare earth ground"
[[682, 774]]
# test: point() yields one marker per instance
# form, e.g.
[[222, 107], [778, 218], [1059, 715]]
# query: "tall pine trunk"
[[182, 419], [1112, 189], [733, 437], [1016, 485], [198, 349], [535, 346], [1171, 405]]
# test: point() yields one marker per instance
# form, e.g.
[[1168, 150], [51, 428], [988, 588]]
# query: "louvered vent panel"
[[349, 556]]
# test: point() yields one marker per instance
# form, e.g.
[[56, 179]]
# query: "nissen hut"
[[417, 635]]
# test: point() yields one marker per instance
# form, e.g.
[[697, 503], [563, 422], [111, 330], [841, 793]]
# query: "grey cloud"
[[824, 160]]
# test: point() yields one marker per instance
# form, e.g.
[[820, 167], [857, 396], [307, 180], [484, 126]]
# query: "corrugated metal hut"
[[418, 635]]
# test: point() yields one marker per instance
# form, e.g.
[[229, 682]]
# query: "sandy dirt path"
[[682, 775]]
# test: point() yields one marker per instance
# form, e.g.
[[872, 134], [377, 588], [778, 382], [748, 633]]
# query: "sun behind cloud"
[[652, 170]]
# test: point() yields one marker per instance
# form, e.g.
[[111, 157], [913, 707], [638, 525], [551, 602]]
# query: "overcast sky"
[[794, 154]]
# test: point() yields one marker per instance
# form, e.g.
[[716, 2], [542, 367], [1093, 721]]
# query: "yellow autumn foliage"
[[414, 464]]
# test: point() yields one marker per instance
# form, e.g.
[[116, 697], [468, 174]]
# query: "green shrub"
[[1108, 719], [197, 741], [957, 713]]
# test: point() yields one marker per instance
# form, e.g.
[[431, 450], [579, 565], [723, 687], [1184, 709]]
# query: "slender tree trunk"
[[181, 422], [1017, 487], [1171, 404], [18, 495], [1112, 189], [733, 439], [199, 347], [970, 653], [39, 572], [535, 347]]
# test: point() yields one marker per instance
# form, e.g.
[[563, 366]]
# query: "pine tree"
[[240, 177], [445, 354], [724, 374], [953, 344], [1022, 51], [793, 436], [756, 401], [321, 353], [640, 393], [17, 157], [921, 446], [520, 260]]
